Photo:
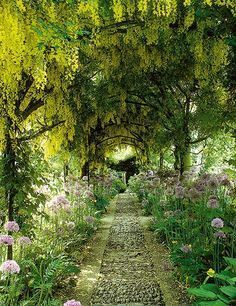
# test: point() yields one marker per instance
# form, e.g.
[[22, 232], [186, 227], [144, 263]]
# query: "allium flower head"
[[10, 266], [224, 180], [71, 225], [187, 248], [72, 303], [89, 194], [89, 219], [220, 234], [150, 173], [24, 241], [217, 223], [213, 182], [179, 192], [6, 239], [194, 194], [11, 226], [59, 203], [212, 203]]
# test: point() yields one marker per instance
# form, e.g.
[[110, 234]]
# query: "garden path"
[[126, 266]]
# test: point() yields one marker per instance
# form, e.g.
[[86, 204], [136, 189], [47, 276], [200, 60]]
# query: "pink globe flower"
[[220, 234], [59, 203], [24, 241], [72, 303], [212, 203], [179, 192], [11, 226], [217, 223], [89, 219], [10, 266], [6, 240]]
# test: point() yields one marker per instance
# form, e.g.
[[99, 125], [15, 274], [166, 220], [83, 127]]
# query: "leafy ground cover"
[[196, 219], [48, 258]]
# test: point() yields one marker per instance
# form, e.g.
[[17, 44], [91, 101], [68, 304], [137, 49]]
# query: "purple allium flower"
[[150, 173], [220, 234], [224, 180], [89, 194], [10, 266], [213, 182], [217, 223], [24, 241], [194, 194], [212, 203], [6, 239], [187, 248], [179, 192], [70, 225], [72, 303], [89, 219], [11, 226], [59, 203]]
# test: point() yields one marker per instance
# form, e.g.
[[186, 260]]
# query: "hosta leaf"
[[225, 276], [210, 287], [230, 261], [229, 291], [211, 303], [202, 293], [223, 298]]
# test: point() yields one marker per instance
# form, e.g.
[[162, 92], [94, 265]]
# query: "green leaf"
[[202, 293], [223, 298], [225, 276], [210, 287], [231, 41], [230, 261], [212, 303], [229, 291]]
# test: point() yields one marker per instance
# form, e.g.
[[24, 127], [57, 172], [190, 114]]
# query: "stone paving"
[[127, 275]]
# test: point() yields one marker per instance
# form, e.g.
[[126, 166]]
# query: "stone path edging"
[[91, 265], [125, 265]]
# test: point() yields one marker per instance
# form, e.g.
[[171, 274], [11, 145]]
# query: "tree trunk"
[[177, 158], [86, 170], [161, 160], [10, 176], [65, 171], [185, 160]]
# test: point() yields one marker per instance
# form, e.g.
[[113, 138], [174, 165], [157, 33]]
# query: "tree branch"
[[199, 140], [34, 134]]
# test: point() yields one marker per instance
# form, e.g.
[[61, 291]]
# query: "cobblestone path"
[[127, 275]]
